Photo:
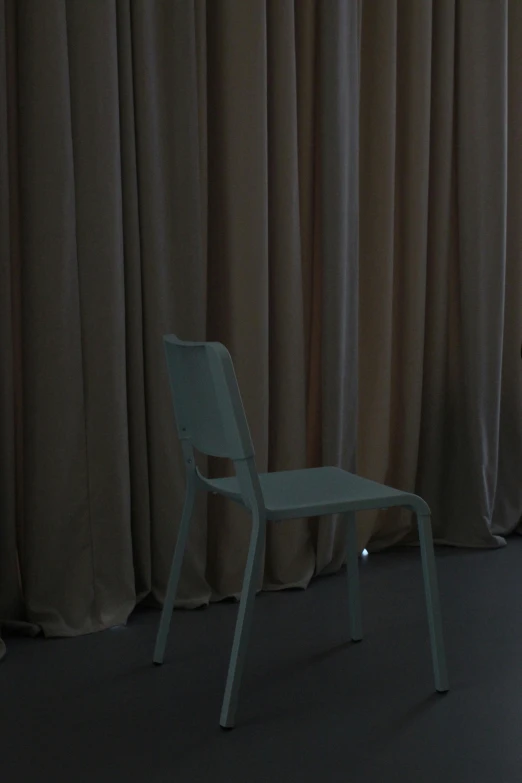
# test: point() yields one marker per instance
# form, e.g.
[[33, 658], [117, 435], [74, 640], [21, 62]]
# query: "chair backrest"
[[207, 403]]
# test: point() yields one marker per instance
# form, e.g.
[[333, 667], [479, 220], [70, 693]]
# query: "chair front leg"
[[433, 603], [244, 621], [175, 570], [352, 571]]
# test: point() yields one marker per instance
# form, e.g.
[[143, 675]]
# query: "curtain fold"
[[331, 189], [338, 183], [58, 557], [481, 206], [169, 283], [508, 499], [289, 552], [238, 243], [11, 598]]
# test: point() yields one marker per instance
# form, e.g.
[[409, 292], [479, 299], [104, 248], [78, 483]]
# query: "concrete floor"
[[313, 707]]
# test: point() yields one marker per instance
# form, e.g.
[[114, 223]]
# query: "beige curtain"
[[168, 168], [170, 165], [440, 376]]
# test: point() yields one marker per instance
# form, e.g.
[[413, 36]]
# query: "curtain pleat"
[[441, 326], [289, 552], [173, 274], [140, 499], [307, 88], [338, 140], [96, 172], [481, 206], [57, 551], [238, 244], [508, 498], [378, 94], [11, 598]]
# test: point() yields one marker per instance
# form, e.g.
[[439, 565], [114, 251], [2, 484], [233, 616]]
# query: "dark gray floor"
[[313, 708]]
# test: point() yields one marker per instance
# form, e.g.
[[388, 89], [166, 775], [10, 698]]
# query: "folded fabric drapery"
[[332, 189]]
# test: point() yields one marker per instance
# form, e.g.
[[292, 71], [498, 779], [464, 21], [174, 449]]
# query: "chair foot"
[[157, 663], [226, 728]]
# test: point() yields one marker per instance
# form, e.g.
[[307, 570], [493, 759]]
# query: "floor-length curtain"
[[440, 264], [330, 187], [167, 166]]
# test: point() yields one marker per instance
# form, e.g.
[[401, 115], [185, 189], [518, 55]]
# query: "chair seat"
[[316, 491]]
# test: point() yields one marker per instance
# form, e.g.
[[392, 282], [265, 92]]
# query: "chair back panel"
[[207, 403]]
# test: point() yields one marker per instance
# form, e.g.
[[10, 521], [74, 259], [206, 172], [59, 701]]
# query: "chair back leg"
[[433, 603], [352, 571], [175, 570], [244, 621]]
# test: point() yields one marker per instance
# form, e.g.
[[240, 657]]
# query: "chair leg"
[[433, 603], [175, 571], [352, 570], [243, 623]]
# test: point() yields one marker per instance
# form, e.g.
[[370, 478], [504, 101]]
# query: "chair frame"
[[253, 500]]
